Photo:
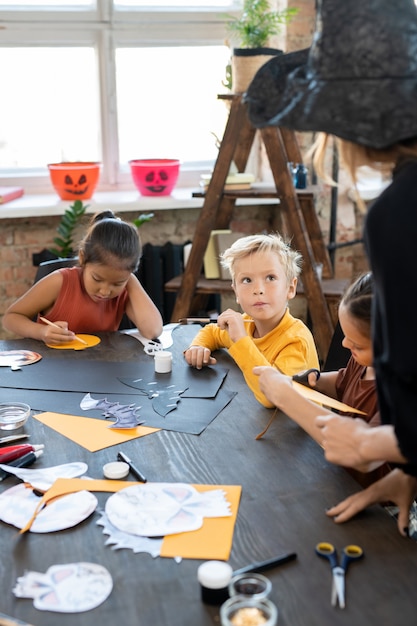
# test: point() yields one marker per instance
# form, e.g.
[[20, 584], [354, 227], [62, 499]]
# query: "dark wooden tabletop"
[[286, 487]]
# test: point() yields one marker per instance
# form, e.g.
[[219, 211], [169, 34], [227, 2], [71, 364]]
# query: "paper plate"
[[18, 504], [16, 358], [91, 340]]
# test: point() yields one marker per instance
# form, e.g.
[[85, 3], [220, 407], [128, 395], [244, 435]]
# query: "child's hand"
[[232, 321], [57, 334], [308, 378], [198, 356]]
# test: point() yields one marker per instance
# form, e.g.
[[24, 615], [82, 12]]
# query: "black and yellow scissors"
[[349, 553]]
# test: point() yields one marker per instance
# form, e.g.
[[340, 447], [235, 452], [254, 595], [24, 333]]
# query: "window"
[[111, 80]]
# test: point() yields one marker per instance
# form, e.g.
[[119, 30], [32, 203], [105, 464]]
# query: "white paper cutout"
[[119, 539], [158, 509], [151, 346], [43, 479], [127, 415], [18, 504], [69, 588]]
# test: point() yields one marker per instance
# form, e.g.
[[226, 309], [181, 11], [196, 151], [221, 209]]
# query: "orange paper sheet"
[[89, 342], [212, 541], [321, 398], [92, 434]]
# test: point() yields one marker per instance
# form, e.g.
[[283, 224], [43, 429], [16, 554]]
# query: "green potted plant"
[[250, 34]]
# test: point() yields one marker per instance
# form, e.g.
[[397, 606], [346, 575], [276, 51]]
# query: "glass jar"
[[241, 611]]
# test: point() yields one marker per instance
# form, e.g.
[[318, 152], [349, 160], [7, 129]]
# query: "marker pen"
[[10, 453], [135, 471], [23, 461]]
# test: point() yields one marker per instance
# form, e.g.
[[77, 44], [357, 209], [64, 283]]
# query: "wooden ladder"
[[281, 148]]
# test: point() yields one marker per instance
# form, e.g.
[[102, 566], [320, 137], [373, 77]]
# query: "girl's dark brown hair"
[[358, 301], [110, 241]]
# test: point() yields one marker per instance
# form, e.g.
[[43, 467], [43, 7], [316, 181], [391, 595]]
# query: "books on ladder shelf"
[[219, 241], [234, 182], [10, 193]]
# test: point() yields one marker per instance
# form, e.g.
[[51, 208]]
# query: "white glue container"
[[214, 578], [163, 362]]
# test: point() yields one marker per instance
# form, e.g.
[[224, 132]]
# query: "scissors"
[[349, 553]]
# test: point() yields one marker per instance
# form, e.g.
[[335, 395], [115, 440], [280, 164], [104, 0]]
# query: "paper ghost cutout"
[[126, 414], [69, 588]]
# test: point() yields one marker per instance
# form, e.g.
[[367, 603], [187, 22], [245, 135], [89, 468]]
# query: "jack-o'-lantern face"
[[155, 177], [75, 180], [156, 180], [76, 185]]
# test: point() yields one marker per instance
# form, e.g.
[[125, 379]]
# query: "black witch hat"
[[358, 80]]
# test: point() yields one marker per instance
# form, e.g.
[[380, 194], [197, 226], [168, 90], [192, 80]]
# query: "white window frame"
[[105, 28]]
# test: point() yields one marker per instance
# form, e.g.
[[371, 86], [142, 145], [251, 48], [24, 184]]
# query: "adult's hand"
[[396, 487]]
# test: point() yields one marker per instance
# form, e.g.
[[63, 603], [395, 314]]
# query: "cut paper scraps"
[[321, 398], [68, 588], [92, 434], [43, 478], [150, 346], [212, 541], [19, 503], [15, 359], [89, 342], [127, 416], [159, 509], [118, 539]]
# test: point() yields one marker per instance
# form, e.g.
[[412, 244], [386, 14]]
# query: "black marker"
[[123, 457], [261, 566]]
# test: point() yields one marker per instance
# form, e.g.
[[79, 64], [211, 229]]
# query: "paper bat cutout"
[[164, 400], [126, 415]]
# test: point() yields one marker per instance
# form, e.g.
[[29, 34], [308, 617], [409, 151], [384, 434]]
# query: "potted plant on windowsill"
[[63, 248], [250, 33]]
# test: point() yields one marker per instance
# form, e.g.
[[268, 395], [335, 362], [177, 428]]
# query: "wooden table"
[[287, 485]]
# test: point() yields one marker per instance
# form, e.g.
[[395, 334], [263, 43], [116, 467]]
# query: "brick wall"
[[20, 238]]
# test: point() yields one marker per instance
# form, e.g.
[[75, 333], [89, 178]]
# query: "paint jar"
[[163, 362], [214, 578], [242, 611], [250, 585]]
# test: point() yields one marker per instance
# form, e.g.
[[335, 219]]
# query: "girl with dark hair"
[[93, 296]]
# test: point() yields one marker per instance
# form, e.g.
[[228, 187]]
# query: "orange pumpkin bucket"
[[74, 180]]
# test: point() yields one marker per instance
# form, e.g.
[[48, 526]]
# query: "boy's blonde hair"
[[290, 259]]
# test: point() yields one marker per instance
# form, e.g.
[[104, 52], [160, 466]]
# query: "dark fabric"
[[391, 244], [358, 80]]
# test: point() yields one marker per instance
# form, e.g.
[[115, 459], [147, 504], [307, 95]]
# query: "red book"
[[10, 193]]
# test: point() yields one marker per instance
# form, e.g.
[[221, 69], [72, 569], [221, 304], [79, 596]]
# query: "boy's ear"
[[292, 289]]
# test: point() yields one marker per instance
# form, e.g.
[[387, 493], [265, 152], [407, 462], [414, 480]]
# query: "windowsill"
[[45, 205]]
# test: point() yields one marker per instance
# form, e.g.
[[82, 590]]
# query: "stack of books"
[[234, 182]]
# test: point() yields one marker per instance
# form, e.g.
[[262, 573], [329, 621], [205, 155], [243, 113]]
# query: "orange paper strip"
[[321, 398], [92, 434]]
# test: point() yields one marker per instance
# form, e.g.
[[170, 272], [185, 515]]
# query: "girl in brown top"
[[353, 385]]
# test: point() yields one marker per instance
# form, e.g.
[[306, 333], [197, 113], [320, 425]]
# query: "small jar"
[[163, 362], [250, 585], [214, 578], [300, 176], [241, 611]]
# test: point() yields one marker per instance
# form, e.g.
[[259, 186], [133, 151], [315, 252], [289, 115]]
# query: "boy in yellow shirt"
[[264, 271]]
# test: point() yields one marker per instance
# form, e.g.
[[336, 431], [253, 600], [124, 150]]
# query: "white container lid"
[[214, 574], [116, 470]]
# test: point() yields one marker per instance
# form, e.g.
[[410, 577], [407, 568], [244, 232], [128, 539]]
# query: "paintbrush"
[[56, 326]]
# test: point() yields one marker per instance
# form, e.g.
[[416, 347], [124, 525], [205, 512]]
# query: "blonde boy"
[[264, 271]]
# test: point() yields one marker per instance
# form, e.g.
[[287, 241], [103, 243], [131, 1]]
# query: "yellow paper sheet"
[[321, 398], [212, 541], [92, 434]]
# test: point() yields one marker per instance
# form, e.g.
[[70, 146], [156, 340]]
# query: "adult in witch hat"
[[358, 83]]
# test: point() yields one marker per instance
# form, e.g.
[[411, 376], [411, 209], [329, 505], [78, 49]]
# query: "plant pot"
[[246, 62]]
